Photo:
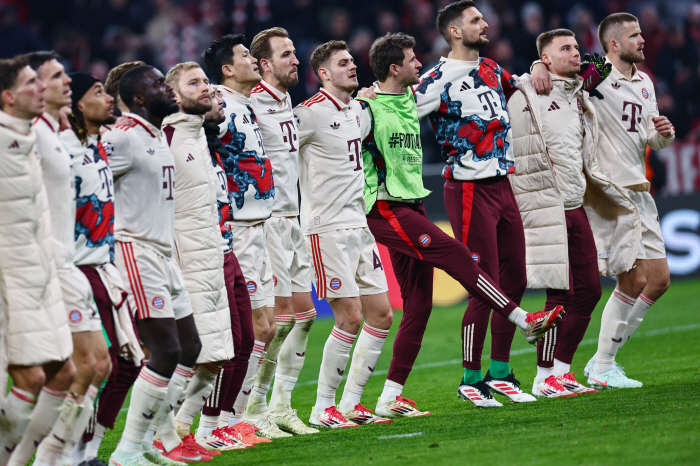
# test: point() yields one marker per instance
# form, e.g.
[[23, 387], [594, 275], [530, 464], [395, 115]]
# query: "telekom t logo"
[[634, 118], [354, 148], [489, 105], [106, 180], [168, 172], [290, 137]]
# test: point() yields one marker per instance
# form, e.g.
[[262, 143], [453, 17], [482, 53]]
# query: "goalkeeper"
[[555, 140]]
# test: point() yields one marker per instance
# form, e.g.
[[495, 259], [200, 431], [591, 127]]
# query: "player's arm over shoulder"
[[117, 144], [428, 91], [304, 118]]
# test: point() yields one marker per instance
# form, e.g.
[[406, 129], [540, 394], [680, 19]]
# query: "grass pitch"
[[656, 424]]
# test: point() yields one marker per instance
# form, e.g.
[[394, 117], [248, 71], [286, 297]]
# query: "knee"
[[103, 367], [64, 377], [639, 283], [386, 318], [85, 365], [191, 349], [659, 284], [30, 379]]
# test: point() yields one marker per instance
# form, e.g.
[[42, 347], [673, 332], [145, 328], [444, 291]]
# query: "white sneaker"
[[266, 427], [331, 417], [539, 322], [219, 441], [569, 382], [589, 366], [122, 458], [550, 388], [363, 416], [509, 387], [400, 407], [614, 378], [290, 422], [478, 394]]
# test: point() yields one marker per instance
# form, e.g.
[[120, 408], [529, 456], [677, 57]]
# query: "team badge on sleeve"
[[476, 257], [274, 280], [424, 240], [578, 103], [252, 287], [335, 283], [75, 316], [645, 93], [158, 302], [358, 120]]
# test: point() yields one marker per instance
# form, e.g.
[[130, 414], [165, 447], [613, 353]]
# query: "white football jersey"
[[248, 169], [625, 109], [57, 171], [144, 184], [331, 174], [279, 130], [94, 187]]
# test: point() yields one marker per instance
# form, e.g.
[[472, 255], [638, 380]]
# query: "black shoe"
[[478, 394], [509, 387]]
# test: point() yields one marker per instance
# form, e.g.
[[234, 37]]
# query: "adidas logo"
[[246, 120], [526, 109], [248, 392], [465, 86], [189, 158], [341, 372], [371, 369], [86, 160], [58, 438], [151, 152], [615, 85], [148, 416], [619, 340], [271, 110], [301, 355], [335, 125], [554, 106], [14, 145]]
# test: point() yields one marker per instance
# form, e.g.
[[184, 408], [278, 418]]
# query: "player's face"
[[342, 71], [562, 56], [57, 83], [284, 61], [216, 115], [409, 71], [631, 43], [96, 105], [159, 97], [245, 66], [473, 29], [28, 94], [194, 92]]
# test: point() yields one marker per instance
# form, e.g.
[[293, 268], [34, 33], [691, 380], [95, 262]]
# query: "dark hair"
[[115, 75], [547, 37], [130, 83], [389, 50], [320, 56], [260, 47], [77, 122], [447, 16], [36, 59], [218, 53], [615, 19], [9, 71]]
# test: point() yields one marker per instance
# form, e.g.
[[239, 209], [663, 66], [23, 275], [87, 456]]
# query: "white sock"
[[639, 310], [147, 395], [391, 391], [79, 453], [291, 361], [93, 446], [247, 387], [198, 390], [43, 418], [257, 403], [207, 425], [364, 360], [234, 420], [543, 373], [51, 447], [164, 420], [336, 353], [560, 368], [18, 409], [224, 417], [82, 421], [518, 317], [612, 330]]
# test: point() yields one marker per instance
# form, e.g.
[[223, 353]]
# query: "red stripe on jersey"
[[257, 89], [135, 281], [331, 98], [314, 100], [43, 118], [386, 212], [269, 91], [318, 265], [144, 126], [467, 201], [375, 332]]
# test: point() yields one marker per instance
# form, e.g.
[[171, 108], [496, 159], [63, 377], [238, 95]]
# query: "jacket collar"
[[568, 84], [272, 91], [234, 95], [190, 123], [152, 130], [339, 104], [19, 125], [49, 120]]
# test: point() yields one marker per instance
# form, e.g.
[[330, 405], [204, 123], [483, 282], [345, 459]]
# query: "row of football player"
[[403, 215]]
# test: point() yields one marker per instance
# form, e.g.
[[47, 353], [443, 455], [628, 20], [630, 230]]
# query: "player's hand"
[[367, 93], [594, 71], [540, 79], [663, 126]]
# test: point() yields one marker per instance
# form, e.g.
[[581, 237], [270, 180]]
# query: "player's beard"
[[634, 56], [162, 108], [475, 45], [285, 79], [217, 120], [194, 107]]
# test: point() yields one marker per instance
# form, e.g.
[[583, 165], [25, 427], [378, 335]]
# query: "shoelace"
[[333, 413], [552, 382], [363, 409], [243, 428], [511, 378], [221, 435], [570, 376], [192, 444], [399, 398], [235, 434]]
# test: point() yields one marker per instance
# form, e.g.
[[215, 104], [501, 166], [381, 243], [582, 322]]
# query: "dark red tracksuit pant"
[[124, 372], [416, 246], [485, 216], [230, 379], [579, 300]]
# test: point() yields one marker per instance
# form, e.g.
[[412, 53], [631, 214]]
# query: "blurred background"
[[95, 35]]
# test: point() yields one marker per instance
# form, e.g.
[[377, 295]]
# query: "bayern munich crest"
[[358, 120], [578, 102], [252, 287], [424, 240], [645, 93], [335, 283], [75, 316], [158, 302], [274, 280], [476, 257]]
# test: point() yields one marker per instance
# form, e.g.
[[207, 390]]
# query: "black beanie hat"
[[82, 82]]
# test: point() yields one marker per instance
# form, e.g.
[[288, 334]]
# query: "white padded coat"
[[198, 248]]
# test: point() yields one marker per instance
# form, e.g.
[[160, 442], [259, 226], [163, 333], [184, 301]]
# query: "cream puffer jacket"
[[37, 322], [198, 248], [613, 217]]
